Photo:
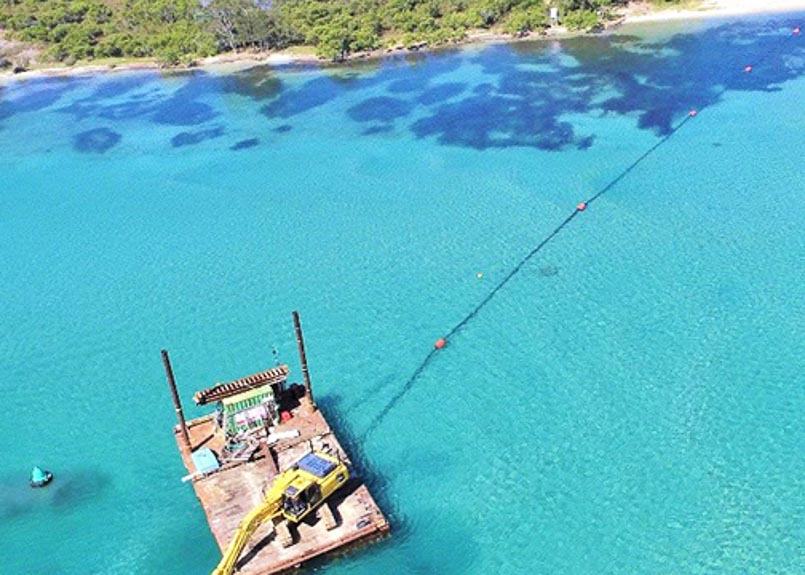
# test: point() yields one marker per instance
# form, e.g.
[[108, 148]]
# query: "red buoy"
[[440, 343], [581, 206], [692, 113], [748, 69]]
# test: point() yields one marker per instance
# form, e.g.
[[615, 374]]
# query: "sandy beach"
[[637, 12], [633, 13]]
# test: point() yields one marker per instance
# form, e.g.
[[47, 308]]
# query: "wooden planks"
[[221, 391]]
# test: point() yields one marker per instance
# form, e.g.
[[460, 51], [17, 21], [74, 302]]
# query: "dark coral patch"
[[283, 129], [193, 138], [256, 83], [382, 129], [310, 95], [383, 109], [585, 143], [494, 121], [548, 271], [484, 89], [440, 93], [405, 85], [179, 112], [116, 86], [96, 141], [31, 102], [245, 144], [536, 86]]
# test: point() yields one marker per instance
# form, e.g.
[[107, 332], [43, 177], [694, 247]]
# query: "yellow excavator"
[[292, 496]]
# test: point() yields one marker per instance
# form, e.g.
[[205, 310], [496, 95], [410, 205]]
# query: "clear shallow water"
[[630, 403]]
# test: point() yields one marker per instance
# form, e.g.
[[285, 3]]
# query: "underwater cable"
[[582, 206]]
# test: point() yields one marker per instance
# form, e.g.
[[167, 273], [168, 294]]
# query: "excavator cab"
[[315, 476], [297, 500]]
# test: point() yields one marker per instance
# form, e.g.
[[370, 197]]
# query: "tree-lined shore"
[[180, 31]]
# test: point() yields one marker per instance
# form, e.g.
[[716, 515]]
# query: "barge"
[[260, 432]]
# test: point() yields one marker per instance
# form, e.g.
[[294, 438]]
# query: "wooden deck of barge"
[[228, 494]]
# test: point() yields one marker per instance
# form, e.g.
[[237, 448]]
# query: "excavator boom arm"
[[308, 483], [267, 510]]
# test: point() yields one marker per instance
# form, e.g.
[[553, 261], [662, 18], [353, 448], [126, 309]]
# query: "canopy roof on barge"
[[221, 391]]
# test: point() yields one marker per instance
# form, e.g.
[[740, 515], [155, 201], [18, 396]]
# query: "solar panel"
[[316, 465]]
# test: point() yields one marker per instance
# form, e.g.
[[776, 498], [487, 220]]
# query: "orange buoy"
[[692, 113], [440, 343], [748, 69], [581, 206]]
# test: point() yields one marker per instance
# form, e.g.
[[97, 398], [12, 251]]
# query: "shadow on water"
[[331, 407], [403, 528], [69, 489]]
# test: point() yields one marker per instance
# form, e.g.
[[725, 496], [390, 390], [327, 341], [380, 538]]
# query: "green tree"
[[581, 20]]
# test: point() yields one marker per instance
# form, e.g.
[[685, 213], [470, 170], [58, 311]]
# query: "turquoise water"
[[630, 402]]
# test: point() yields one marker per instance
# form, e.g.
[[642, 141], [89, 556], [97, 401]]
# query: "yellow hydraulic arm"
[[294, 494], [267, 510]]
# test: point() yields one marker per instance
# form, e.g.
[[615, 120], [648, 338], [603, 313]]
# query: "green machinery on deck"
[[248, 403], [251, 409]]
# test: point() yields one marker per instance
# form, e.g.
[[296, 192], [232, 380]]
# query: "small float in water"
[[40, 477]]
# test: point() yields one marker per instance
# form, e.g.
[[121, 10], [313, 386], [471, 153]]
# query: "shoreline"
[[633, 13], [715, 9]]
